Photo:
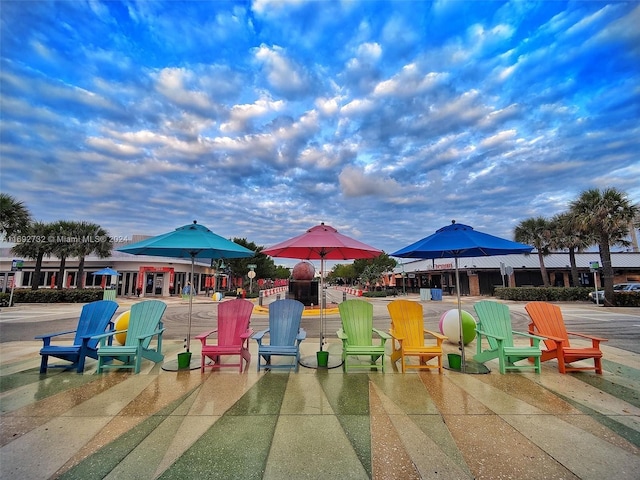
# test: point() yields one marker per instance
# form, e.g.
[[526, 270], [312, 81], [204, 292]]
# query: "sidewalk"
[[317, 423]]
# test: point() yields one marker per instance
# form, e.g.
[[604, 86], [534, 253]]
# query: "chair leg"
[[43, 363], [598, 365]]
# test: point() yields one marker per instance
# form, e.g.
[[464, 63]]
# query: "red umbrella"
[[322, 242]]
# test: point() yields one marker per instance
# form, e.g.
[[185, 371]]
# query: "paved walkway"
[[317, 424]]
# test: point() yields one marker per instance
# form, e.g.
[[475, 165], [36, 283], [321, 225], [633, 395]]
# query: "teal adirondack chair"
[[494, 324], [284, 332], [145, 322], [233, 334], [357, 334], [95, 319]]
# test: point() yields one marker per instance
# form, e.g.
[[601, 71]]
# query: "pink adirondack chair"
[[233, 335]]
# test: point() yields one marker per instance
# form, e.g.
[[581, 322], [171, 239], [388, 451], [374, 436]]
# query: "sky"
[[385, 120]]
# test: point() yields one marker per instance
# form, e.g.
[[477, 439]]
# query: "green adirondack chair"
[[145, 322], [494, 325], [357, 335]]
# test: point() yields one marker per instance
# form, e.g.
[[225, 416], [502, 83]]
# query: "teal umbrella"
[[109, 272], [189, 241]]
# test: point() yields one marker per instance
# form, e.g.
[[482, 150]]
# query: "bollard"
[[278, 297], [260, 296], [344, 296]]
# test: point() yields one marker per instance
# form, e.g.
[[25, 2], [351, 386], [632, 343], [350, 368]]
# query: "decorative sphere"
[[303, 271], [450, 326], [217, 297], [122, 323]]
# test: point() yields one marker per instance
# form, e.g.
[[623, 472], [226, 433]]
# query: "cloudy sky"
[[261, 119]]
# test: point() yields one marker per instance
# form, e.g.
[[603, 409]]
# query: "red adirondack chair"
[[547, 321], [233, 335]]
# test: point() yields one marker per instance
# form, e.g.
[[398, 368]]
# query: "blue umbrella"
[[189, 241], [106, 271], [458, 241]]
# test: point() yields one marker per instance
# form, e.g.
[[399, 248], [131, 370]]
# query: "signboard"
[[16, 265], [252, 266], [594, 266]]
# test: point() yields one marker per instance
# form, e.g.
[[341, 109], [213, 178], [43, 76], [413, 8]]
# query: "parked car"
[[618, 287]]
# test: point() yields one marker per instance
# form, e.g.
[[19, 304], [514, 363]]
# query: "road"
[[621, 326]]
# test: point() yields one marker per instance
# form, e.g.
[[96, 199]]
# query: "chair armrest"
[[383, 335], [590, 337], [258, 336], [482, 332], [108, 334], [152, 334], [341, 335], [302, 334], [204, 335], [246, 334], [529, 335], [395, 335], [49, 335], [436, 335]]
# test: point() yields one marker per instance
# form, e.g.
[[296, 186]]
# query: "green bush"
[[543, 294], [375, 294], [48, 295], [626, 299]]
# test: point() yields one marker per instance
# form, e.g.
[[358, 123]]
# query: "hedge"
[[51, 295], [562, 294]]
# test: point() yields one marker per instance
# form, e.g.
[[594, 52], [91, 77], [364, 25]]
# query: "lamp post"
[[220, 267], [404, 291]]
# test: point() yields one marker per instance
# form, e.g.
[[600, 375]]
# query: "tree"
[[341, 273], [608, 214], [265, 267], [566, 234], [92, 238], [63, 239], [371, 269], [40, 247], [536, 232], [15, 218]]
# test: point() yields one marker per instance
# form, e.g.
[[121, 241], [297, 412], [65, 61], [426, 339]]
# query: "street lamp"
[[404, 291], [220, 267]]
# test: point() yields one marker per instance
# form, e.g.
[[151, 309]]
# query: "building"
[[481, 275]]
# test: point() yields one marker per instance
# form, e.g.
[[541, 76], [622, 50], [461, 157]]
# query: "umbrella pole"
[[462, 359], [321, 303], [190, 304]]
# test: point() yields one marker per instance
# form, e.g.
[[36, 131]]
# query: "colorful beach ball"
[[450, 326], [122, 323]]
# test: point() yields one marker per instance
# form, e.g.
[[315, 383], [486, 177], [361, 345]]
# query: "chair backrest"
[[285, 317], [234, 317], [143, 320], [407, 321], [357, 321], [94, 318], [548, 320], [495, 319]]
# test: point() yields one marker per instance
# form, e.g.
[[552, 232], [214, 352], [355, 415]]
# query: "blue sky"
[[261, 119]]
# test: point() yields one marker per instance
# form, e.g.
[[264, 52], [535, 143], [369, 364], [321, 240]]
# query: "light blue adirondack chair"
[[145, 322], [357, 334], [95, 319], [494, 324], [284, 332]]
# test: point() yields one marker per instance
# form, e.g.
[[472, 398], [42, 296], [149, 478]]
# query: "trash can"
[[425, 294], [436, 294]]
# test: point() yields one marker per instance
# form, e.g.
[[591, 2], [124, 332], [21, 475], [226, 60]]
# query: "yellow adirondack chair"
[[357, 334], [408, 332], [494, 324]]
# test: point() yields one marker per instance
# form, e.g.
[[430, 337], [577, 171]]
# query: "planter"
[[184, 360], [323, 358], [455, 361]]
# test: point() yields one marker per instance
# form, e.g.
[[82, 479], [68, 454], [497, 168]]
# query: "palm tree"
[[64, 246], [536, 232], [566, 235], [14, 216], [608, 215], [38, 249], [92, 238]]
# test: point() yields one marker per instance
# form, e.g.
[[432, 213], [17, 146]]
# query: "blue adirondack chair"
[[233, 334], [145, 322], [494, 324], [357, 334], [95, 318], [284, 332]]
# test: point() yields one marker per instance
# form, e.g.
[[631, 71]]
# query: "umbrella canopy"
[[106, 271], [189, 241], [458, 241], [322, 242]]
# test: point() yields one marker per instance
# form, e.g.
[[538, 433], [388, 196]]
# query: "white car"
[[618, 287]]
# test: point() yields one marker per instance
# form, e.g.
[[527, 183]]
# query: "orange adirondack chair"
[[547, 321], [408, 332], [233, 335]]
